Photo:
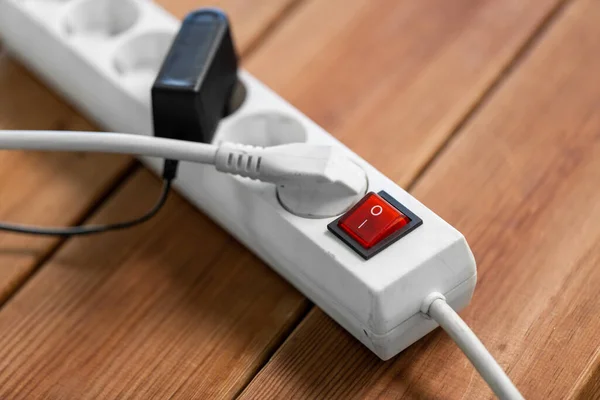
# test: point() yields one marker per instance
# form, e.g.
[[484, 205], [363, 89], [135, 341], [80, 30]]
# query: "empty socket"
[[263, 129], [139, 59], [101, 18]]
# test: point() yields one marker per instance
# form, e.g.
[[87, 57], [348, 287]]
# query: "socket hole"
[[263, 129], [102, 18], [138, 60], [238, 97], [144, 53]]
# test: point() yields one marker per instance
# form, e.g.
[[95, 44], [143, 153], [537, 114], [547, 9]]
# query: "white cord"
[[436, 307], [298, 164], [104, 142]]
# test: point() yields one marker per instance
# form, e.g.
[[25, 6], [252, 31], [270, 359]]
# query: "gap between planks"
[[96, 203], [521, 54]]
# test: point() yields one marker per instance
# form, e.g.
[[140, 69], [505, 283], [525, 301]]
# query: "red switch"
[[372, 220]]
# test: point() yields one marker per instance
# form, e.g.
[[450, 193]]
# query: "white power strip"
[[104, 61]]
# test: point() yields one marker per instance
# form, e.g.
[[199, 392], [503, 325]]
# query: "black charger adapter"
[[192, 91]]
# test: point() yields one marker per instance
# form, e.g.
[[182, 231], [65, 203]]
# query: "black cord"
[[169, 173]]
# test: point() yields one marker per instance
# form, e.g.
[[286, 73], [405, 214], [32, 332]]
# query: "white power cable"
[[299, 164], [104, 142], [436, 307]]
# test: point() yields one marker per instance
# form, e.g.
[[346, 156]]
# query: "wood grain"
[[521, 180], [172, 309], [57, 189], [41, 188], [249, 19], [392, 78]]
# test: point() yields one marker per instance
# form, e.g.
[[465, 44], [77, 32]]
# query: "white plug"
[[312, 181]]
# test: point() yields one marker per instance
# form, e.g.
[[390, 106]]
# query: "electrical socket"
[[103, 56]]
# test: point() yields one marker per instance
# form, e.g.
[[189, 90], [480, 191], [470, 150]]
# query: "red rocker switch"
[[371, 220], [374, 223]]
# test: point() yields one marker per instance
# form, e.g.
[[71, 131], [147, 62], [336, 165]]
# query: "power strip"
[[103, 56]]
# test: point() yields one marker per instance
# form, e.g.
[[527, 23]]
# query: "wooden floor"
[[487, 111]]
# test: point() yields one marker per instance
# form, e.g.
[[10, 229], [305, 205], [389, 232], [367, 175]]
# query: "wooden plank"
[[392, 78], [41, 188], [588, 383], [249, 19], [57, 189], [174, 308], [521, 182]]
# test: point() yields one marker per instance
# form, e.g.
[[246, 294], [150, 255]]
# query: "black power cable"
[[89, 229], [169, 173]]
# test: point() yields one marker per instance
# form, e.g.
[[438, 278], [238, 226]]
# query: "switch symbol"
[[375, 211]]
